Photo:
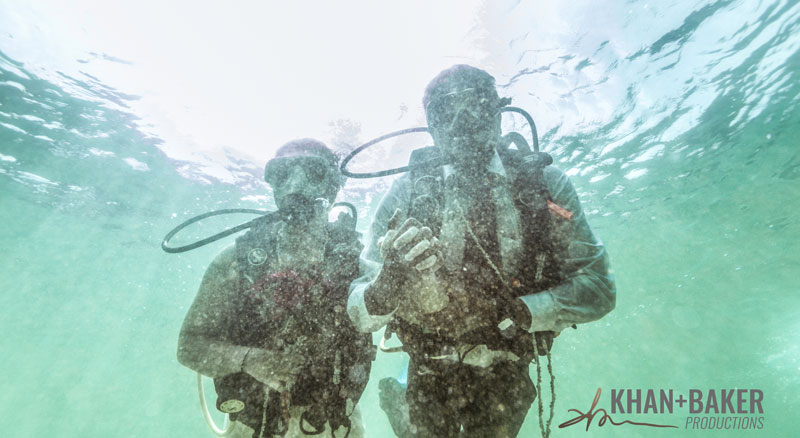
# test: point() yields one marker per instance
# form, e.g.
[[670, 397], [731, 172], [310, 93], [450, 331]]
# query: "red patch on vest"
[[559, 210]]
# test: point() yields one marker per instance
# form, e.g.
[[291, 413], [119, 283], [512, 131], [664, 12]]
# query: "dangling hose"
[[214, 238], [227, 428], [545, 428], [552, 391], [265, 215]]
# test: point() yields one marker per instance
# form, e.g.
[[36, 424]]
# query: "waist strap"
[[478, 346]]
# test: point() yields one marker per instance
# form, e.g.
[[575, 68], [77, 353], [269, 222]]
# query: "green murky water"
[[678, 123]]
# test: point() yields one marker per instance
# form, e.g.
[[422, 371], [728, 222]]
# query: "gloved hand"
[[278, 370], [411, 257], [409, 252], [517, 319], [408, 246]]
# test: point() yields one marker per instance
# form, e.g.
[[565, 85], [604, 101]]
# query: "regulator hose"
[[265, 215], [352, 208], [510, 137], [529, 119], [173, 250], [358, 150]]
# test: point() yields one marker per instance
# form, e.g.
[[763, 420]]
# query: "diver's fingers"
[[406, 236], [428, 263], [396, 238], [398, 243], [428, 251], [431, 254], [388, 237], [414, 234], [439, 261], [385, 244], [426, 233], [397, 218], [435, 248], [408, 223], [417, 250]]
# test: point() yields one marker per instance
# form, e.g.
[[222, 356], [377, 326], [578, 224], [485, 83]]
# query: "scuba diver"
[[477, 258], [269, 322]]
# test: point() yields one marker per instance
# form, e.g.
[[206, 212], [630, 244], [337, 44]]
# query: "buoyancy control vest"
[[543, 227], [302, 313]]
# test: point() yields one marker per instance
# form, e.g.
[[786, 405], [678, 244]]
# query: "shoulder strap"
[[354, 351], [540, 243], [255, 249]]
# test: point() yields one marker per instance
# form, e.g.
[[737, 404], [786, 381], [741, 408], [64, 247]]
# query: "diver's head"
[[304, 176], [463, 112]]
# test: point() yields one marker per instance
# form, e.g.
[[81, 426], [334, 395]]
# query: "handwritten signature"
[[591, 413]]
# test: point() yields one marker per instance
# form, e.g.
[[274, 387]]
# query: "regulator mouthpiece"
[[296, 209], [299, 209]]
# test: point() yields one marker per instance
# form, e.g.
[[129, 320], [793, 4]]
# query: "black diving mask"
[[465, 110], [317, 169]]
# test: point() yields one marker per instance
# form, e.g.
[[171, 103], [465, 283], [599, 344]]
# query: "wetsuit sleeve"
[[370, 263], [588, 292], [200, 345]]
